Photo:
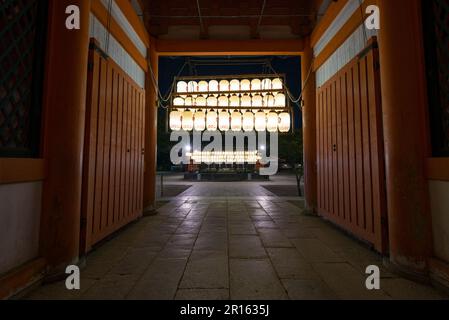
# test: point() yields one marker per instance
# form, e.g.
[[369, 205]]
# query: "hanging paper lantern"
[[272, 122], [248, 121], [175, 120], [260, 123], [284, 122], [212, 121], [187, 121], [280, 100], [201, 101], [245, 85], [181, 87], [200, 121], [223, 121], [223, 101], [234, 101], [224, 85], [236, 121], [257, 101], [268, 101], [235, 85], [214, 86], [256, 84], [203, 86], [212, 102], [277, 84], [189, 102], [246, 101], [266, 84], [178, 102], [192, 86]]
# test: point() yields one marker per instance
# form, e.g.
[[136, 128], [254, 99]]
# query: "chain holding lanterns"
[[231, 103]]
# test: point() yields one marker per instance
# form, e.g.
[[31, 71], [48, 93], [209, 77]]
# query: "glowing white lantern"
[[260, 123], [203, 86], [236, 121], [256, 84], [234, 101], [248, 121], [277, 84], [257, 100], [182, 87], [175, 120], [223, 121], [272, 122], [245, 85], [224, 85], [212, 122], [200, 101], [212, 101], [192, 86], [235, 85], [200, 121], [280, 100], [223, 101], [214, 86], [245, 101], [189, 101], [187, 121], [284, 122], [268, 101], [178, 102], [266, 84]]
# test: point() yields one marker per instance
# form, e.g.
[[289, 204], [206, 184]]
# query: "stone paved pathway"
[[259, 247]]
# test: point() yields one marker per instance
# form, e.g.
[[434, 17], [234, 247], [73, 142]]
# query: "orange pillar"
[[149, 199], [405, 133], [64, 111], [309, 128]]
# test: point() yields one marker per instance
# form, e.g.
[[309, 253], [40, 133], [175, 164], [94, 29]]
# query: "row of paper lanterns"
[[225, 121], [246, 100], [232, 85], [224, 157]]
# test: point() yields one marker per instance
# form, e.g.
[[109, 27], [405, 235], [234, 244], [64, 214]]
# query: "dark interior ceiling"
[[231, 19]]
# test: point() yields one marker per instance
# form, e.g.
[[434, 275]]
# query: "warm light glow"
[[225, 157], [248, 121], [266, 84], [224, 85], [212, 101], [272, 122], [256, 84], [189, 101], [280, 100], [178, 102], [260, 121], [223, 121], [203, 86], [245, 101], [284, 122], [245, 85], [212, 121], [236, 121], [200, 121], [187, 121], [268, 101], [182, 87], [192, 86], [276, 84], [257, 101], [200, 101], [235, 85], [223, 101], [175, 120], [214, 86], [234, 101]]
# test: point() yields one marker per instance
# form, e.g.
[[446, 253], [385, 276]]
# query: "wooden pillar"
[[151, 110], [64, 112], [309, 128], [405, 133]]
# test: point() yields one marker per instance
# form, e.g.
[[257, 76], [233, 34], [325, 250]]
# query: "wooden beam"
[[227, 47], [332, 12], [21, 170], [438, 169], [134, 20]]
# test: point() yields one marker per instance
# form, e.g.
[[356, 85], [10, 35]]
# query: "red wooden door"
[[113, 151], [351, 172]]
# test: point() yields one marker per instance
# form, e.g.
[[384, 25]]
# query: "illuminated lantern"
[[280, 100], [200, 121], [187, 121], [192, 86], [178, 102], [200, 101], [175, 120], [257, 101], [224, 85], [212, 102], [223, 121], [234, 101], [256, 84], [189, 101], [245, 101], [214, 86], [182, 87], [260, 122], [248, 121], [245, 85], [266, 84], [235, 85], [203, 86], [277, 84], [236, 121], [268, 101], [223, 101], [212, 121], [284, 122], [272, 122]]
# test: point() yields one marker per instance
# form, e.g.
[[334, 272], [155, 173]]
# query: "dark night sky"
[[169, 67]]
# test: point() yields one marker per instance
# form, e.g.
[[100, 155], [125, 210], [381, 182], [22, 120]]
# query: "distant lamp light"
[[178, 102], [175, 120], [223, 101], [182, 87], [272, 122], [187, 121], [260, 122], [224, 85], [235, 85], [200, 121], [284, 122], [223, 121], [248, 121], [245, 85], [277, 84], [256, 85], [236, 121], [212, 121]]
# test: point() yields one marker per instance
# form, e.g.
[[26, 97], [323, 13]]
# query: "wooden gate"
[[113, 151], [351, 170]]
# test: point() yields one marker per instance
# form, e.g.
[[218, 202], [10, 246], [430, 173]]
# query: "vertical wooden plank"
[[345, 141], [332, 165], [352, 147], [133, 153], [128, 149], [318, 139], [124, 175], [326, 149], [141, 149], [339, 143], [364, 82], [112, 180], [119, 153]]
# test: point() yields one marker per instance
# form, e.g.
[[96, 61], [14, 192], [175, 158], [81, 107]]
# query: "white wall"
[[439, 198], [20, 211]]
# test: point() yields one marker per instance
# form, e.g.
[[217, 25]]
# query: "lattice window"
[[436, 22], [22, 26]]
